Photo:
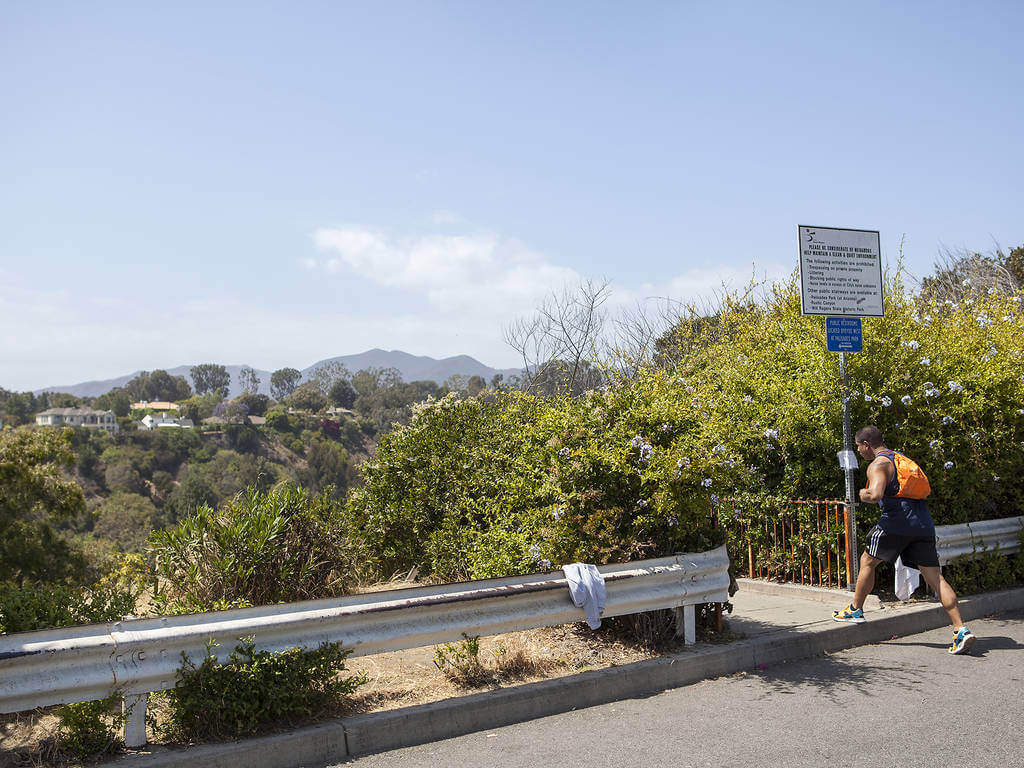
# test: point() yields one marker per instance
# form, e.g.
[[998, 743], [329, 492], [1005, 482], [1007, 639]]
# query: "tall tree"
[[210, 378], [115, 400], [248, 380], [959, 274], [283, 382], [327, 374], [34, 494], [563, 335], [342, 393], [158, 385]]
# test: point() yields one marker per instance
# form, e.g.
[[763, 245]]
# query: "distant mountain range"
[[412, 368]]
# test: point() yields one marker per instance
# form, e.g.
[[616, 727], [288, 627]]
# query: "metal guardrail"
[[137, 656], [970, 539]]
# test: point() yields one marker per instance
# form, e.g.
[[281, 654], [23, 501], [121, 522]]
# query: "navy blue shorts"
[[915, 551]]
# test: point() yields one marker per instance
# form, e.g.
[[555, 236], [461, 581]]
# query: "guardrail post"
[[686, 623], [134, 709]]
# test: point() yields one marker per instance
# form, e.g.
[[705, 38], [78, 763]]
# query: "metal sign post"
[[852, 565], [841, 276]]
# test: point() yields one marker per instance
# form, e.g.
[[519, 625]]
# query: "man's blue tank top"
[[904, 517]]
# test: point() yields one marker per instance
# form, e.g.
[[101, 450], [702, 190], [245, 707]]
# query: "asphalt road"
[[905, 703]]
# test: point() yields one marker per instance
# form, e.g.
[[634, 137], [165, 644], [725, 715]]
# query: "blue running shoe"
[[962, 640], [849, 614]]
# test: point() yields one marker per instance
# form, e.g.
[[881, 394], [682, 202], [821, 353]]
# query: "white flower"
[[534, 551], [673, 521], [771, 434], [906, 400], [706, 482], [984, 321], [719, 448], [926, 361], [642, 503], [911, 345], [644, 446], [748, 399], [886, 401], [933, 444], [948, 465], [666, 427], [544, 563], [932, 392], [947, 419], [558, 513], [996, 478], [867, 398], [563, 452], [954, 387], [683, 462]]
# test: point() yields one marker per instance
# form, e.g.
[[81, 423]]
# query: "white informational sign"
[[847, 459], [840, 272]]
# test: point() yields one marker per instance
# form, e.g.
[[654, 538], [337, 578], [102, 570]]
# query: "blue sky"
[[275, 183]]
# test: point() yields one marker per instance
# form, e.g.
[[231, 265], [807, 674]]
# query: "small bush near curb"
[[91, 729], [255, 689], [461, 664], [985, 572]]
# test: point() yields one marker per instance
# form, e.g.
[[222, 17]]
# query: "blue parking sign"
[[843, 334]]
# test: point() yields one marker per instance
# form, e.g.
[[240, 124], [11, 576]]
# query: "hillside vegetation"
[[480, 480]]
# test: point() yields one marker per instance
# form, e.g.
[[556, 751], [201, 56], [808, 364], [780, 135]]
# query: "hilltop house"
[[156, 405], [78, 417]]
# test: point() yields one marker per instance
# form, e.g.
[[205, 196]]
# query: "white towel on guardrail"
[[586, 586], [907, 580]]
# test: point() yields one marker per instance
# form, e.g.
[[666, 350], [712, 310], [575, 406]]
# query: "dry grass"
[[29, 740]]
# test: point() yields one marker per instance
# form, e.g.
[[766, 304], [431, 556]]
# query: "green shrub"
[[985, 572], [460, 662], [256, 549], [255, 688], [44, 605], [91, 728]]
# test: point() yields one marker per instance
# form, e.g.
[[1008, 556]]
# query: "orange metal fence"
[[802, 541]]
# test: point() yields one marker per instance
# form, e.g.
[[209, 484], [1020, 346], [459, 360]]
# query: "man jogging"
[[905, 529]]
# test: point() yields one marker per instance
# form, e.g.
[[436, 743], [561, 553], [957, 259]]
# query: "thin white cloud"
[[455, 273]]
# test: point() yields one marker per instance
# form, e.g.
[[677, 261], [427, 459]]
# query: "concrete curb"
[[377, 732], [835, 597]]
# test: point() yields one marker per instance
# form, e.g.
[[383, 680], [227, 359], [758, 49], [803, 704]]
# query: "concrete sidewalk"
[[780, 623]]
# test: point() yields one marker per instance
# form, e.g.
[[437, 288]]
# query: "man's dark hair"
[[871, 435]]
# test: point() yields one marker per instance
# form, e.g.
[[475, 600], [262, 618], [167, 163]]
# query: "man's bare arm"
[[878, 477]]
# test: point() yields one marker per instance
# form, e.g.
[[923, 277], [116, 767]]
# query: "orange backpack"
[[912, 479]]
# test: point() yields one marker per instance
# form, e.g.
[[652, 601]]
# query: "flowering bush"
[[510, 483]]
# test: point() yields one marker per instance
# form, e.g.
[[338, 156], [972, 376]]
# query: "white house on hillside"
[[78, 417], [150, 421]]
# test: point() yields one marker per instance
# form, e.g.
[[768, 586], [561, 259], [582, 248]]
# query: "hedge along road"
[[904, 702]]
